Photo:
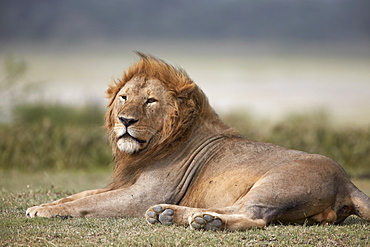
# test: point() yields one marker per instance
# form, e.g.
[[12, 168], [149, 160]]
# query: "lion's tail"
[[361, 204]]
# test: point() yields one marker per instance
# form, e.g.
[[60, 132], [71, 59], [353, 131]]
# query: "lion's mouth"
[[127, 135]]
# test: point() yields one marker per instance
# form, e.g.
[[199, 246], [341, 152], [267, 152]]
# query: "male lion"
[[172, 151]]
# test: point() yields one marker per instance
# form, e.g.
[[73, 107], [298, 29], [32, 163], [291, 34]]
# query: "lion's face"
[[139, 112]]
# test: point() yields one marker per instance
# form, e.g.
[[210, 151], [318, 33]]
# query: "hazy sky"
[[282, 20]]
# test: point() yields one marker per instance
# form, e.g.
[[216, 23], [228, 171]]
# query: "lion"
[[178, 163]]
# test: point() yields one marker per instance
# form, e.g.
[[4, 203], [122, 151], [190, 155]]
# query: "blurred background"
[[268, 57], [264, 60]]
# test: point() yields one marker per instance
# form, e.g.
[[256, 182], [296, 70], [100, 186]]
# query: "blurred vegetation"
[[13, 70], [56, 137], [14, 89]]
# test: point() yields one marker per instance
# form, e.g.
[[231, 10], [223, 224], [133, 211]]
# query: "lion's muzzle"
[[129, 138]]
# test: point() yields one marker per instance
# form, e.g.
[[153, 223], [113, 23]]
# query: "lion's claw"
[[205, 221], [33, 212], [159, 214]]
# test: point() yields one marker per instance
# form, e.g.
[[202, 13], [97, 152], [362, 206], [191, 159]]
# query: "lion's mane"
[[188, 106]]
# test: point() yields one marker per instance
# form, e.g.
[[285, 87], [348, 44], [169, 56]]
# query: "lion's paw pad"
[[159, 214], [205, 221]]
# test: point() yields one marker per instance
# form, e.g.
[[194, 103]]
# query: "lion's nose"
[[127, 121]]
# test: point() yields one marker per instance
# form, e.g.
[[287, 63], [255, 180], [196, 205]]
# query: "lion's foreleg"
[[168, 214], [114, 203], [56, 208], [75, 197], [215, 221]]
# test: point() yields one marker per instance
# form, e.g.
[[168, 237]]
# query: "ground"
[[29, 190]]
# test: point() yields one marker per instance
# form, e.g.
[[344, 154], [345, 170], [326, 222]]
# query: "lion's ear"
[[112, 91], [109, 93], [184, 92]]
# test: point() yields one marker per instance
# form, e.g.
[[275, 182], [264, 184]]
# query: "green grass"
[[19, 190], [15, 181]]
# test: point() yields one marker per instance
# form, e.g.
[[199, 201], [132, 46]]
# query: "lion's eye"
[[124, 97], [150, 100]]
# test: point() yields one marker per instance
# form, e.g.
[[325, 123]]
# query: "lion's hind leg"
[[215, 221], [328, 217]]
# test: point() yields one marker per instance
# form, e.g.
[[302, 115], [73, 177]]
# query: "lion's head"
[[153, 104], [139, 109]]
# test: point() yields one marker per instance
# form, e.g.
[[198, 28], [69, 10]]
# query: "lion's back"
[[253, 156]]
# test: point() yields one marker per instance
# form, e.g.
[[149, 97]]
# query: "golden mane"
[[174, 79], [188, 104]]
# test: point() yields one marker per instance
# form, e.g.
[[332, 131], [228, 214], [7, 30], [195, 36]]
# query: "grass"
[[53, 151], [15, 181], [17, 230]]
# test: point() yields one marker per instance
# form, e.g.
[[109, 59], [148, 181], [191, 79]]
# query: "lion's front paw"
[[159, 214], [206, 221], [33, 212], [42, 211]]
